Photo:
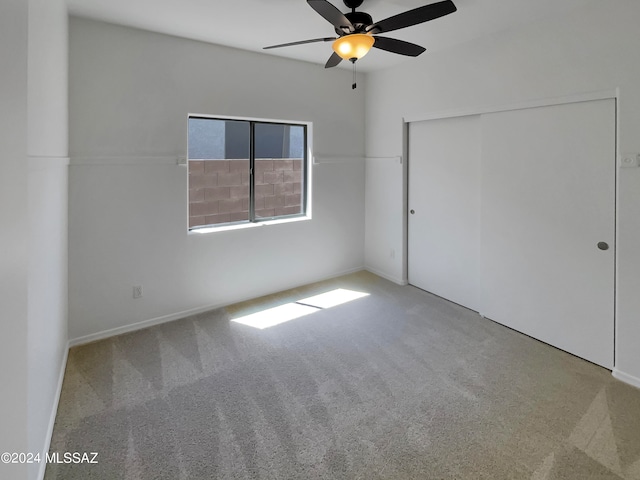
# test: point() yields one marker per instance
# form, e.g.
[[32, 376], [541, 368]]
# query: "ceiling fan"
[[357, 32]]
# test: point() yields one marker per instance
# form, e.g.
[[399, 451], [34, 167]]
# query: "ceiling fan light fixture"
[[355, 45]]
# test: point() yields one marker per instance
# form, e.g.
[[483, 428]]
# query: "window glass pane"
[[218, 171], [270, 140], [206, 138], [296, 142], [279, 170]]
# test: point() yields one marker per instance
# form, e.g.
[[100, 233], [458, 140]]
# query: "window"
[[243, 171]]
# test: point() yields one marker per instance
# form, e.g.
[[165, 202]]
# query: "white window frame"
[[252, 223]]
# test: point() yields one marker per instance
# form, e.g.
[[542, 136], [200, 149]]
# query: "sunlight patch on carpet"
[[303, 307], [333, 298]]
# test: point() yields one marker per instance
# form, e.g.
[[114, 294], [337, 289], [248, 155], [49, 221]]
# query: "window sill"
[[243, 226]]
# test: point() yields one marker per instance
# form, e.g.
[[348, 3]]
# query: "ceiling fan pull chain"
[[353, 85]]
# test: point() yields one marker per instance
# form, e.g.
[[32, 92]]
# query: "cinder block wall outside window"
[[219, 189]]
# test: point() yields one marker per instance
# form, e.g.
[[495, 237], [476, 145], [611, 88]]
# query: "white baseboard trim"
[[132, 327], [626, 378], [385, 276], [54, 413], [187, 313]]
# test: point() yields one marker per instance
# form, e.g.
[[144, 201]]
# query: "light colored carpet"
[[399, 384]]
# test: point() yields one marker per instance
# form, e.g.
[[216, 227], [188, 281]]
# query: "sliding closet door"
[[547, 238], [444, 199]]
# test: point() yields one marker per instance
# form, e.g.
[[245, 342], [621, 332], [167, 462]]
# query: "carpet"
[[386, 382]]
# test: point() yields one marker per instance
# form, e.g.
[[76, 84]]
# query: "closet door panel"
[[548, 225], [444, 208]]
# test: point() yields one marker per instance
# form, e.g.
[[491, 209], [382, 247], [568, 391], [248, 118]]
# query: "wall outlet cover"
[[630, 160]]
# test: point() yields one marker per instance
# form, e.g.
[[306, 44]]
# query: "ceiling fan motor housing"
[[359, 20], [352, 3]]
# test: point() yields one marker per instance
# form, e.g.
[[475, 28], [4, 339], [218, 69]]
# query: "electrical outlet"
[[630, 160], [137, 291]]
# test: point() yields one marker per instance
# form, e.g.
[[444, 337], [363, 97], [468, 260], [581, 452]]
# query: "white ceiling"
[[253, 24]]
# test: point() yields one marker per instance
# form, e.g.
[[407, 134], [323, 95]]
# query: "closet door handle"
[[603, 245], [412, 212]]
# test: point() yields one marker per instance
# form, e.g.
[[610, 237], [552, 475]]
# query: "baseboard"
[[385, 276], [94, 337], [132, 327], [54, 413], [626, 378]]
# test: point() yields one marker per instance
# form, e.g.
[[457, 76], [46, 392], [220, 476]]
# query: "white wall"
[[47, 306], [13, 231], [47, 212], [591, 50], [48, 79], [130, 93]]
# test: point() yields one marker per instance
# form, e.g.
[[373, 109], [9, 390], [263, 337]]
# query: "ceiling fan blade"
[[302, 42], [398, 46], [332, 15], [334, 60], [413, 17]]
